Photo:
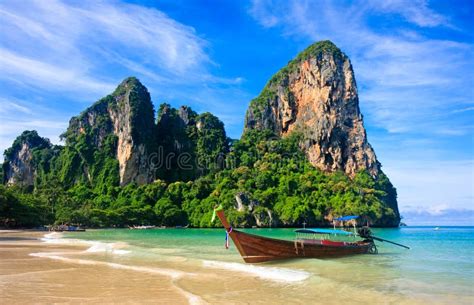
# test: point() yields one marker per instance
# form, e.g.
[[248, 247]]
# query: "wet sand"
[[26, 279]]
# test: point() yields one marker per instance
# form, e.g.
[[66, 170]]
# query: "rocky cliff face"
[[133, 119], [128, 115], [193, 144], [316, 94], [20, 165]]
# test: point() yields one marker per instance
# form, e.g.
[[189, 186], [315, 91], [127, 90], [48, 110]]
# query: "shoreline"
[[18, 230]]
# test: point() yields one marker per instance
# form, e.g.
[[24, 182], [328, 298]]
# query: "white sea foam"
[[266, 273], [109, 248], [52, 236], [94, 246], [58, 238]]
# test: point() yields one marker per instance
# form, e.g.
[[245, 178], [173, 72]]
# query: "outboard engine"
[[366, 233]]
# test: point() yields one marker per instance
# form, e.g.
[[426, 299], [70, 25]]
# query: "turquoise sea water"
[[439, 267]]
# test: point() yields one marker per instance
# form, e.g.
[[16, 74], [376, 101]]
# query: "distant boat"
[[66, 228], [436, 229], [141, 227]]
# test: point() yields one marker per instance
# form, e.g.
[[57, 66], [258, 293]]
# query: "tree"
[[168, 213]]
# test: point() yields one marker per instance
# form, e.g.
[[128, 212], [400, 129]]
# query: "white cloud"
[[71, 45], [148, 32], [261, 9], [44, 75], [433, 185], [445, 217], [415, 11], [7, 106], [463, 109]]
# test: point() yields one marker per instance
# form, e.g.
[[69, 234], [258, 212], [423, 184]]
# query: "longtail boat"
[[257, 249], [309, 243]]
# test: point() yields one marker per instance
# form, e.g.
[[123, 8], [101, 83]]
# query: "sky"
[[413, 62]]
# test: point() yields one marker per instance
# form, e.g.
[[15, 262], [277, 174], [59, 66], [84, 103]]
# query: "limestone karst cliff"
[[316, 94], [128, 115], [21, 160]]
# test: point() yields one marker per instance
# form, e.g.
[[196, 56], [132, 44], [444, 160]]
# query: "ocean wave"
[[58, 238], [266, 273]]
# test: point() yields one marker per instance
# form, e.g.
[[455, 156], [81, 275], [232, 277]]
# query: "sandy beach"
[[27, 279]]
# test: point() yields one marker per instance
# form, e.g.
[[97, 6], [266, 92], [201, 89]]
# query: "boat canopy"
[[346, 218], [324, 231]]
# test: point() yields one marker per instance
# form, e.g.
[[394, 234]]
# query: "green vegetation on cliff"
[[29, 137], [188, 144]]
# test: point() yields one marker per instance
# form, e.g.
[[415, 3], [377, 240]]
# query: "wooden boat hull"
[[257, 249]]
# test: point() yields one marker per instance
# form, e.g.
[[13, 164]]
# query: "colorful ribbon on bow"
[[227, 232], [214, 212]]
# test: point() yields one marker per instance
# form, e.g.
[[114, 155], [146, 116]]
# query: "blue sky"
[[413, 62]]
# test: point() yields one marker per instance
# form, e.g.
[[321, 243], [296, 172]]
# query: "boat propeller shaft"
[[365, 232]]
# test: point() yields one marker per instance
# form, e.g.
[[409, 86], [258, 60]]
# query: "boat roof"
[[324, 231], [345, 218]]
